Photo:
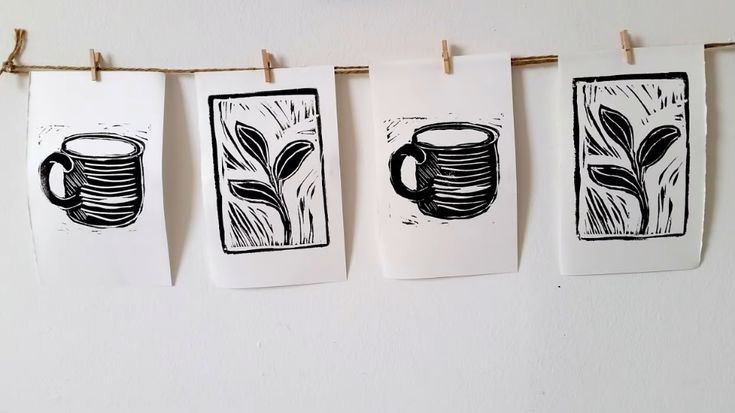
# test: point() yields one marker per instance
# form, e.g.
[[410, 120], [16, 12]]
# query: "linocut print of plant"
[[631, 175], [269, 170]]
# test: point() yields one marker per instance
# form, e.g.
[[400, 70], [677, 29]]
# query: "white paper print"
[[634, 163], [271, 177], [446, 167], [94, 174]]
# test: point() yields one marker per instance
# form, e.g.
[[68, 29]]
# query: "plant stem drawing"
[[269, 170], [650, 151], [286, 164], [631, 144]]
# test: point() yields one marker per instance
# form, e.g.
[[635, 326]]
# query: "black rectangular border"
[[577, 174], [282, 92]]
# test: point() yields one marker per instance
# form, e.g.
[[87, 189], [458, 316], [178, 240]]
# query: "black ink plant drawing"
[[103, 179], [629, 171], [286, 164], [269, 174], [457, 168], [650, 151]]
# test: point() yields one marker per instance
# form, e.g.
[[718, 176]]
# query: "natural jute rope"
[[9, 63], [11, 66]]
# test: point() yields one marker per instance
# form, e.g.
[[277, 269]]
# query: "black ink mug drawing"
[[456, 169], [103, 179]]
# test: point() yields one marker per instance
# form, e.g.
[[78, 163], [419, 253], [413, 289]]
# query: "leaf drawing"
[[269, 170], [291, 158], [650, 151], [286, 164], [631, 141], [655, 145], [254, 191], [615, 177], [617, 127], [253, 142]]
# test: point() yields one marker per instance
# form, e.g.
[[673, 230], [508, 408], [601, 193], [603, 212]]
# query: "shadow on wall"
[[180, 164]]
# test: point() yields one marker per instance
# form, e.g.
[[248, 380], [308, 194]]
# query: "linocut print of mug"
[[95, 192], [445, 158], [450, 170], [456, 171], [102, 178]]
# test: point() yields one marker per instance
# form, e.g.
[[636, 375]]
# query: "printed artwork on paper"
[[269, 170], [632, 156], [455, 171], [102, 176]]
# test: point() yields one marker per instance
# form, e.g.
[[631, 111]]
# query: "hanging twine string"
[[11, 66], [9, 63]]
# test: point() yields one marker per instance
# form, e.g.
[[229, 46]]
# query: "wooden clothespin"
[[94, 63], [445, 57], [267, 65], [627, 46]]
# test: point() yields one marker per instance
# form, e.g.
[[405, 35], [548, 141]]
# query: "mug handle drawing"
[[395, 164], [45, 171]]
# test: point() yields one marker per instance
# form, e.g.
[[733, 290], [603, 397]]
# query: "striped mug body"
[[103, 179], [456, 169]]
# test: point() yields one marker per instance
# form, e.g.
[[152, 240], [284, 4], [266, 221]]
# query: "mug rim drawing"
[[492, 132], [431, 196], [137, 147]]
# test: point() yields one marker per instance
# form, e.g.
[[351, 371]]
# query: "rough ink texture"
[[103, 179], [632, 156], [269, 170], [453, 181]]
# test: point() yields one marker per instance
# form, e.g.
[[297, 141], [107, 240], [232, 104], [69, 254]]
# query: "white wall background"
[[528, 342]]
